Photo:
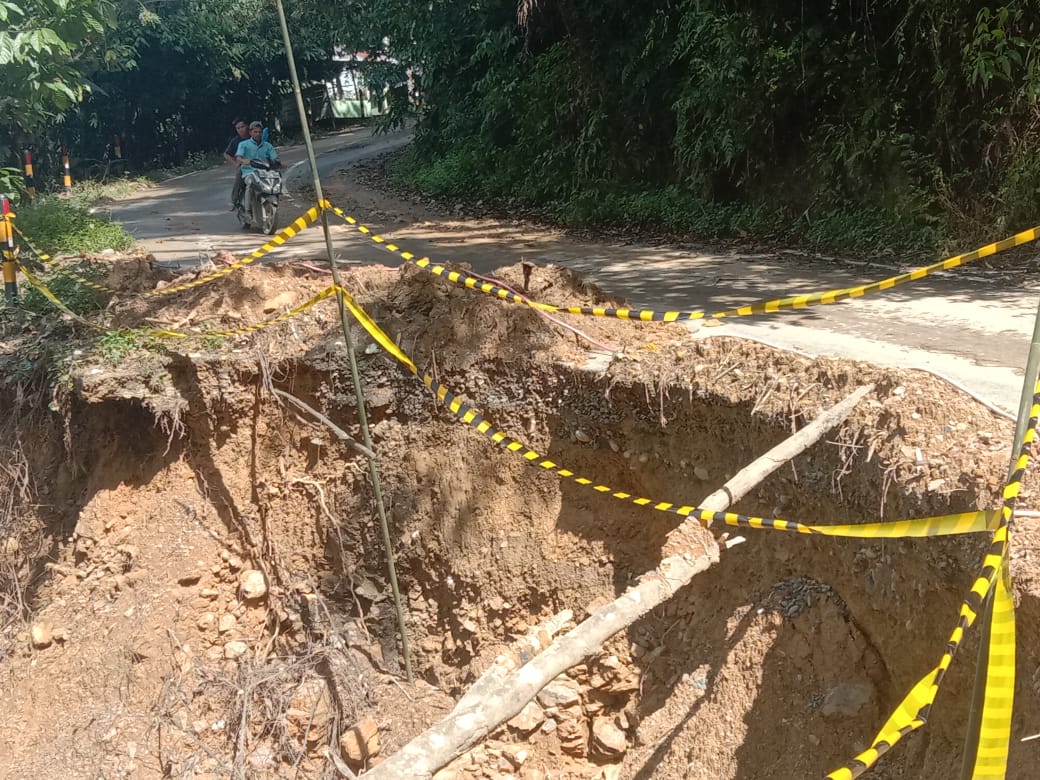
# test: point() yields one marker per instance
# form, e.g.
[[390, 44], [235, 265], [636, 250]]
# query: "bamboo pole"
[[366, 434]]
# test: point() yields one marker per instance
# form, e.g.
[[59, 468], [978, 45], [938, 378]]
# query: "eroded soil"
[[194, 580]]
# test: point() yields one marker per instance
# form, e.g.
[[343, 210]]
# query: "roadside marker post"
[[117, 148], [7, 241], [66, 172], [30, 179]]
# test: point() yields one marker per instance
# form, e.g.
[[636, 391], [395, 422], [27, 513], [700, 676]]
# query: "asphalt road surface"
[[967, 325]]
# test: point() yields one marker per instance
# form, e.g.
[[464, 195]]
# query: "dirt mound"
[[194, 580]]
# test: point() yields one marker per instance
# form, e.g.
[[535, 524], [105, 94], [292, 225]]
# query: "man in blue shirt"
[[241, 133], [254, 148]]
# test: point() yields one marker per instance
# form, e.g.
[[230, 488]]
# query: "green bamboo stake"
[[1025, 403], [366, 435]]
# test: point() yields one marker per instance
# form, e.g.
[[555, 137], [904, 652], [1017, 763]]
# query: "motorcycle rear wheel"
[[270, 217]]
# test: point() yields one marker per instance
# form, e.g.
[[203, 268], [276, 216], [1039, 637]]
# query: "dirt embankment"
[[194, 582]]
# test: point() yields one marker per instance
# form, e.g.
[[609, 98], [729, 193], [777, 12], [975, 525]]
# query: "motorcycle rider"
[[254, 148], [241, 134]]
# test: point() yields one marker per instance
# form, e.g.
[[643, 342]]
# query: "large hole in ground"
[[781, 661]]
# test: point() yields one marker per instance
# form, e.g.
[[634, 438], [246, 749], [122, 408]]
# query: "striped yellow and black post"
[[66, 181], [30, 178], [7, 242]]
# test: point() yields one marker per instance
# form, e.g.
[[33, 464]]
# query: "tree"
[[45, 48]]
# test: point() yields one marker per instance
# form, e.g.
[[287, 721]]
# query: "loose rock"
[[235, 649], [528, 719], [847, 699], [42, 634], [360, 742], [560, 693], [607, 739], [252, 585]]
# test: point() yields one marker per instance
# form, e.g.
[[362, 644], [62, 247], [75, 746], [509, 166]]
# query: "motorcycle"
[[259, 207]]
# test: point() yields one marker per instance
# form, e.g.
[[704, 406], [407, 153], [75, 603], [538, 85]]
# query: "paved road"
[[964, 324]]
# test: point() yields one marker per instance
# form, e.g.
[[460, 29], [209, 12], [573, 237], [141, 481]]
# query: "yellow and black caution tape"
[[178, 334], [167, 333], [50, 296], [967, 522], [648, 315], [52, 262], [42, 256], [310, 216], [913, 711], [995, 727]]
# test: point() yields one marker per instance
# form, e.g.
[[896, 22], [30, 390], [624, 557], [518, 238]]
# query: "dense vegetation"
[[876, 120], [868, 122]]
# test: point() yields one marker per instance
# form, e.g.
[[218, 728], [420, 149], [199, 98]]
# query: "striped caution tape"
[[968, 522], [995, 726], [166, 333], [913, 711], [833, 296], [179, 334], [64, 270], [41, 256], [648, 315], [50, 296], [309, 218]]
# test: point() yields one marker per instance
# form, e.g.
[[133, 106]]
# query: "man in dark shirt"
[[241, 134]]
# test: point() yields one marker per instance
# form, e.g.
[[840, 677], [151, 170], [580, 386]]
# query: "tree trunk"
[[506, 688]]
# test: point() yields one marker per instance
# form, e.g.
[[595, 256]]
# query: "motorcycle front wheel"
[[270, 217]]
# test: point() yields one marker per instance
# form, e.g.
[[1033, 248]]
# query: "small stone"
[[561, 693], [360, 742], [701, 473], [607, 739], [209, 593], [235, 649], [528, 719], [847, 699], [206, 621], [581, 436], [431, 645], [187, 580], [516, 755], [252, 584], [42, 634], [281, 301], [226, 623]]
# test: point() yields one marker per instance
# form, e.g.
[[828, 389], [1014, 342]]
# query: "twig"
[[342, 435]]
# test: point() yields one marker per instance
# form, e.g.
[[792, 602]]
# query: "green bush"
[[58, 226], [79, 298]]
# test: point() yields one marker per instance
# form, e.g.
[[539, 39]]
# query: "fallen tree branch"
[[340, 434], [504, 690], [756, 471]]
